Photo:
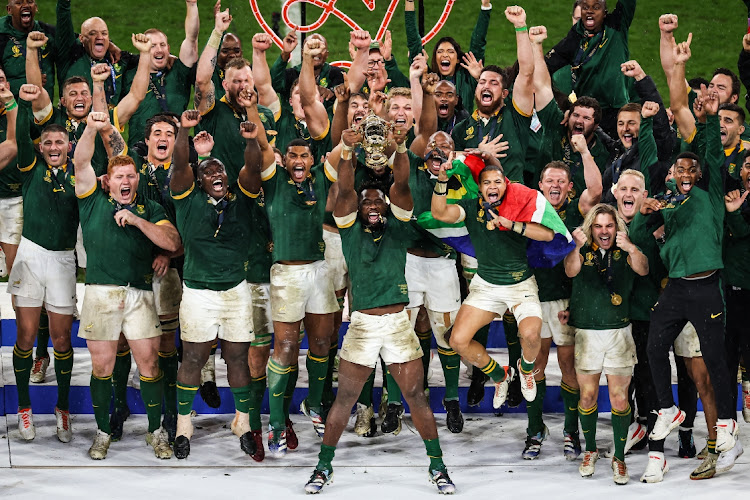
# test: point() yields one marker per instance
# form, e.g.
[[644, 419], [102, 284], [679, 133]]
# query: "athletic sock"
[[434, 453], [120, 376], [526, 366], [450, 360], [168, 366], [620, 424], [365, 397], [42, 335], [257, 388], [328, 395], [711, 443], [316, 373], [588, 425], [241, 397], [101, 397], [325, 457], [494, 371], [278, 376], [570, 397], [22, 364], [152, 391], [510, 327], [425, 342], [63, 372], [291, 384], [185, 396], [535, 409], [394, 391]]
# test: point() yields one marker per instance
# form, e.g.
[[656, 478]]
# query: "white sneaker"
[[655, 468], [501, 388], [98, 450], [588, 463], [727, 458], [668, 419], [726, 434], [39, 370], [636, 432], [620, 471], [528, 384], [746, 401], [64, 427], [160, 443], [26, 424]]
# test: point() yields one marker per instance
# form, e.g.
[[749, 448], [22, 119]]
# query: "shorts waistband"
[[38, 248]]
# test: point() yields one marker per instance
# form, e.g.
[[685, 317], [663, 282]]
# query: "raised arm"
[[128, 105], [261, 74], [35, 41], [189, 46], [85, 175], [182, 174], [416, 70], [413, 39], [574, 259], [8, 148], [346, 200], [400, 193], [428, 116], [591, 174], [340, 121], [523, 88], [249, 177], [637, 260], [278, 70], [678, 97], [27, 94], [714, 160], [743, 67], [439, 206], [543, 94], [316, 115], [361, 40], [248, 99], [667, 25], [479, 35], [205, 93]]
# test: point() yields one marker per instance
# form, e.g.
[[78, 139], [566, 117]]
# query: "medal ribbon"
[[581, 57]]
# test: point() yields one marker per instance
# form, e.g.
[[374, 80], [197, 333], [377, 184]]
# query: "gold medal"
[[490, 225], [616, 299], [572, 97]]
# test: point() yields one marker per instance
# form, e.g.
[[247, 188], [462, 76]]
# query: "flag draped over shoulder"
[[520, 204]]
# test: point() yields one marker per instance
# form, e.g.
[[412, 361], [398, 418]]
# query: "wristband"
[[401, 148], [522, 28], [10, 106], [346, 153], [441, 189], [203, 158], [518, 229], [214, 40]]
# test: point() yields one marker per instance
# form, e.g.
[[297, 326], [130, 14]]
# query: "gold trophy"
[[375, 132]]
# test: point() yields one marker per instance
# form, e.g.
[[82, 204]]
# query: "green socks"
[[451, 361], [494, 371], [22, 364], [42, 335], [435, 454], [365, 397], [291, 384], [620, 424], [257, 388], [120, 378], [425, 342], [325, 457], [63, 372], [168, 366], [570, 397], [317, 369], [101, 397], [711, 444], [152, 391], [241, 397], [588, 425], [510, 327], [394, 391], [185, 396], [535, 409], [278, 376]]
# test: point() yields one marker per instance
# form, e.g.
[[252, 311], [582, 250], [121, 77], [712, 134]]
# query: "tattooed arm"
[[205, 93]]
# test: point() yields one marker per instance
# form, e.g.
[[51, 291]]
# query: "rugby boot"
[[515, 395], [620, 471], [442, 480], [209, 391], [707, 468], [571, 446], [534, 445], [169, 423], [364, 424], [26, 424], [318, 479], [39, 370], [260, 452], [588, 464], [392, 420], [475, 395], [454, 419], [64, 428], [98, 450], [158, 441], [277, 445], [502, 387], [291, 437], [317, 420], [117, 420]]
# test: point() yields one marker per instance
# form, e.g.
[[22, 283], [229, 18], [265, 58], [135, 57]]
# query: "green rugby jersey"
[[645, 288], [50, 211], [223, 123], [737, 250], [288, 128], [153, 184], [376, 261], [296, 213], [501, 254], [509, 121], [117, 255], [215, 235], [13, 53], [261, 245], [556, 146], [591, 305], [168, 90], [553, 283], [10, 177]]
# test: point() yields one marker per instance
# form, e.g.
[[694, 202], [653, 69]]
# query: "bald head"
[[95, 37]]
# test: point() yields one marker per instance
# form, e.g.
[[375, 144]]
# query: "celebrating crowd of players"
[[256, 228]]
